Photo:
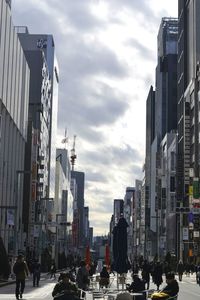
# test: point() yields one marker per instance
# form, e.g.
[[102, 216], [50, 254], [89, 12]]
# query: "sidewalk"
[[11, 281]]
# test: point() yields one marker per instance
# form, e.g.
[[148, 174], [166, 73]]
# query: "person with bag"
[[170, 290], [65, 289], [20, 270], [82, 277]]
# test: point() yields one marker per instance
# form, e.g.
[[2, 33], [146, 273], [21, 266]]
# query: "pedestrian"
[[198, 273], [53, 270], [158, 274], [180, 270], [20, 269], [82, 277], [187, 269], [36, 269], [146, 269], [104, 278]]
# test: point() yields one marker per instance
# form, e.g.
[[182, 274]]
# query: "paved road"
[[189, 290], [43, 292]]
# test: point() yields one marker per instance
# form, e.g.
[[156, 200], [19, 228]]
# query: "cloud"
[[90, 57], [106, 67], [144, 52], [91, 106]]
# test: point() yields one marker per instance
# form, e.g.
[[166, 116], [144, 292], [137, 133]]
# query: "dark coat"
[[137, 285], [157, 274], [67, 288], [180, 268], [20, 269]]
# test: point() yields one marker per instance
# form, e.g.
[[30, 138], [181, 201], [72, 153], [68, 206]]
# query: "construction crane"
[[73, 154]]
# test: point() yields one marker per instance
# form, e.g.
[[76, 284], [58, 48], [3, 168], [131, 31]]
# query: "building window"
[[173, 162], [172, 184]]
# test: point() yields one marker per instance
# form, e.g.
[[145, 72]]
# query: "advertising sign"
[[196, 234], [185, 234], [36, 230]]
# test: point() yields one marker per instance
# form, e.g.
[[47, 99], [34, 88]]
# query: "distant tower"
[[73, 154]]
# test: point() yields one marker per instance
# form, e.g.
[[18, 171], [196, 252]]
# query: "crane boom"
[[73, 153]]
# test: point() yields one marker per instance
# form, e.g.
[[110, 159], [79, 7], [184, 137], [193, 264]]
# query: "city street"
[[189, 290]]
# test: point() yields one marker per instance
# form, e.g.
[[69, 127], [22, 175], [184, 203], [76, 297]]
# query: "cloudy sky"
[[106, 51]]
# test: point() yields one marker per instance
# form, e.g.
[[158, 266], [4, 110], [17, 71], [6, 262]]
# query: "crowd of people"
[[78, 277]]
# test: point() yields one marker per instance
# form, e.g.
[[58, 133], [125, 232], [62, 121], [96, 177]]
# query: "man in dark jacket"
[[21, 271], [65, 287], [137, 286]]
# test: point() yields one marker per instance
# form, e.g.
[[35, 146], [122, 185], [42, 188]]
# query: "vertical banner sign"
[[10, 217], [185, 234], [36, 231], [196, 188]]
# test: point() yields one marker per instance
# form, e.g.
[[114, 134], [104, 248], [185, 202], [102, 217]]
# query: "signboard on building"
[[36, 231], [190, 190], [185, 233], [196, 234], [191, 226], [191, 172], [196, 187], [11, 217]]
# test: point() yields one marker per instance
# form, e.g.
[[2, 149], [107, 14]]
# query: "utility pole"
[[181, 234]]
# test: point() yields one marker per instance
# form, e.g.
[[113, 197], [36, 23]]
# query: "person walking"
[[36, 269], [53, 271], [20, 269], [158, 271], [180, 270]]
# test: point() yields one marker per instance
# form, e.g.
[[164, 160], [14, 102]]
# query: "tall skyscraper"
[[188, 124], [78, 221], [166, 78], [163, 120], [43, 100]]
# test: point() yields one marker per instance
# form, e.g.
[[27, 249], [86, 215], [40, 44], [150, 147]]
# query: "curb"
[[6, 283]]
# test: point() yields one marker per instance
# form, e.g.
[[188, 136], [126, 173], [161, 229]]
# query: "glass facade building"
[[14, 95]]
